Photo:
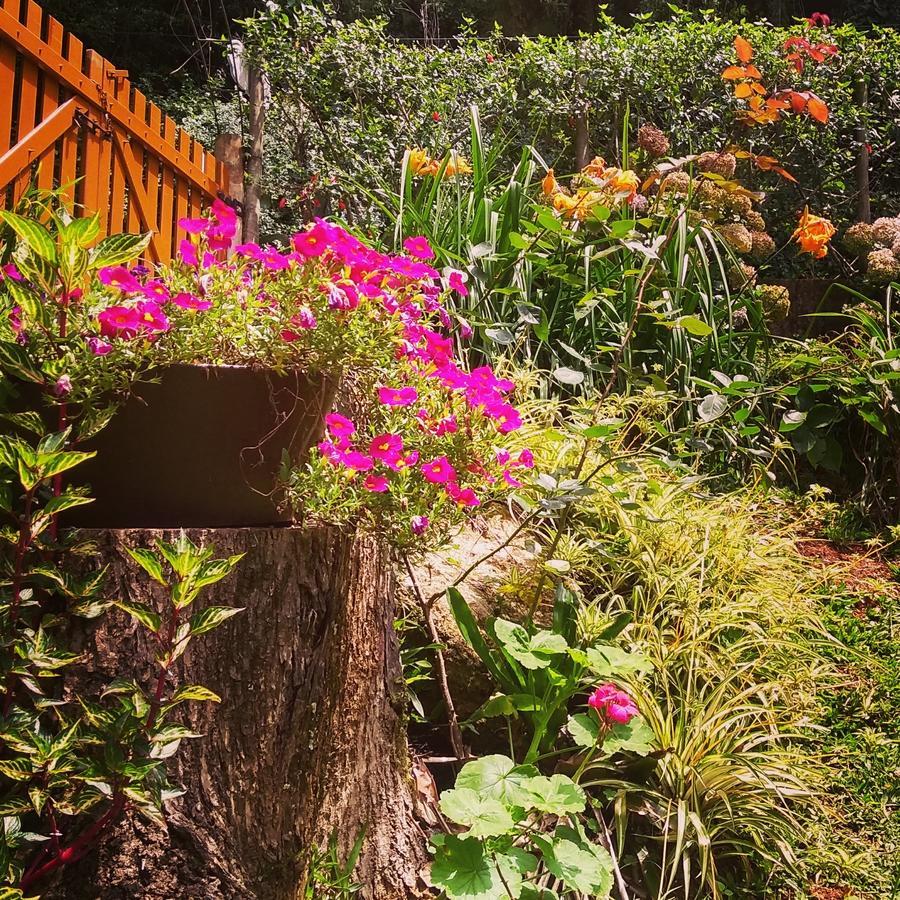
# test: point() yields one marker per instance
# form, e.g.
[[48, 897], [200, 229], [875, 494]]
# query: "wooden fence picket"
[[71, 120]]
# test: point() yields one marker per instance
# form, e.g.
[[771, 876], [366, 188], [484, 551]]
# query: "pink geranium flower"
[[389, 396], [439, 470], [614, 706], [419, 247], [378, 484]]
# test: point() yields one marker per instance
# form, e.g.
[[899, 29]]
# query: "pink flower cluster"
[[614, 706]]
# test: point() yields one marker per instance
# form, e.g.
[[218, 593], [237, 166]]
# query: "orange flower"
[[595, 168], [813, 234], [621, 181], [549, 185]]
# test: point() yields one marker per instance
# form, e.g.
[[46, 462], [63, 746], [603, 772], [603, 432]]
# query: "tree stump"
[[307, 741]]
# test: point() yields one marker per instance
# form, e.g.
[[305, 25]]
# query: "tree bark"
[[307, 741]]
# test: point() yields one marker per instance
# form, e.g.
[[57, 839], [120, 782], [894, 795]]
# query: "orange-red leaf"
[[734, 72], [756, 86], [818, 109], [798, 101], [743, 90], [783, 173], [743, 49], [775, 103], [752, 72], [755, 102]]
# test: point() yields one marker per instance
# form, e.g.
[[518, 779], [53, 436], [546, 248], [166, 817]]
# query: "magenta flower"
[[378, 484], [63, 386], [418, 524], [387, 447], [98, 347], [10, 271], [331, 453], [341, 428], [389, 396], [510, 479], [193, 226], [152, 318], [614, 706], [311, 243], [156, 290], [462, 496], [505, 416], [188, 253], [526, 459], [190, 301], [357, 461], [457, 283], [119, 321], [15, 319], [439, 470], [119, 277], [447, 425], [304, 318], [419, 247]]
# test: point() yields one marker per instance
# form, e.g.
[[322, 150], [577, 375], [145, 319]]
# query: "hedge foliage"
[[347, 99]]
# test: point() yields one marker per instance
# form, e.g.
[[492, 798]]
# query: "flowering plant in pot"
[[221, 367]]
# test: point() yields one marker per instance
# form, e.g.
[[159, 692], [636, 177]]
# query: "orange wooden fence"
[[70, 119]]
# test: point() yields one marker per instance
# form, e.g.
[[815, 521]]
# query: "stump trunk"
[[308, 740]]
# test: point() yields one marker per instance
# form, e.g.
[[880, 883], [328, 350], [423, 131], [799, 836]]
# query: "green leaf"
[[711, 407], [173, 732], [556, 794], [584, 729], [149, 562], [635, 737], [465, 870], [693, 325], [18, 363], [38, 239], [568, 376], [146, 616], [119, 248], [485, 816], [82, 232], [195, 692], [532, 651], [606, 660], [496, 776], [51, 464], [582, 866], [792, 419], [471, 633], [212, 617]]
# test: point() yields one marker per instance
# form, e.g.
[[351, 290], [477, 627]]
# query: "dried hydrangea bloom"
[[676, 183], [737, 237], [740, 321], [895, 248], [885, 231], [754, 221], [859, 238], [717, 163], [883, 266], [652, 140], [738, 204], [741, 276], [639, 204], [775, 300], [763, 245]]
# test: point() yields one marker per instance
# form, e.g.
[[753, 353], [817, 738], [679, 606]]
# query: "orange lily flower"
[[813, 234]]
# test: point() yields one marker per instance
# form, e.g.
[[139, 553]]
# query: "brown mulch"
[[858, 565], [818, 892]]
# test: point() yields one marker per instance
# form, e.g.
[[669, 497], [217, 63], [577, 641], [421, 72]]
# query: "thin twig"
[[456, 738]]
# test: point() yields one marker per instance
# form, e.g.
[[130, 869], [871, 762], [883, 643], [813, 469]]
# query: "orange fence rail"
[[71, 120]]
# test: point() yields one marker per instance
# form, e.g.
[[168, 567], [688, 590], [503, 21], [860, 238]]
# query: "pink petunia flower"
[[10, 271], [98, 347], [526, 459], [388, 396], [614, 706], [462, 496], [190, 301], [357, 461], [151, 316], [188, 253], [341, 428], [510, 479], [419, 247], [418, 524], [387, 447], [155, 290], [457, 283], [378, 484], [439, 470], [311, 243], [193, 226], [119, 321], [119, 277]]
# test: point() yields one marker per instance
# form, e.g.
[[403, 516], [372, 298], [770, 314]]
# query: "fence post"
[[229, 151], [253, 184], [863, 200]]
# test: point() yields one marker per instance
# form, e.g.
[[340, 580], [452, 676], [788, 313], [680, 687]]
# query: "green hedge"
[[347, 99]]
